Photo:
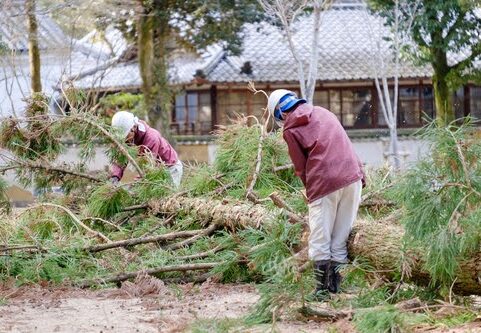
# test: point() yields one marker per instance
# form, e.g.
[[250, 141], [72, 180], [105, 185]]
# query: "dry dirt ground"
[[145, 306]]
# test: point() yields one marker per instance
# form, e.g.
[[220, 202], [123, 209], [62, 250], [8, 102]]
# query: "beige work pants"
[[330, 221]]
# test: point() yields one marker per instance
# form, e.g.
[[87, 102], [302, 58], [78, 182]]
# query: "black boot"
[[334, 277], [321, 273]]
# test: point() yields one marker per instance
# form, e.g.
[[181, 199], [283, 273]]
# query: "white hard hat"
[[281, 100], [124, 121]]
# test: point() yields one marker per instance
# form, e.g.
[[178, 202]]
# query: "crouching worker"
[[149, 140], [324, 159]]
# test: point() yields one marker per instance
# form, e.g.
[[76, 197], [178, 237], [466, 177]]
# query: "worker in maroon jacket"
[[324, 159], [137, 132]]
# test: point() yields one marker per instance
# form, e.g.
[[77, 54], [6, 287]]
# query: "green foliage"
[[116, 156], [38, 138], [438, 28], [236, 161], [107, 200], [216, 326], [110, 104], [457, 318], [384, 319], [441, 198], [202, 180], [5, 205], [156, 184]]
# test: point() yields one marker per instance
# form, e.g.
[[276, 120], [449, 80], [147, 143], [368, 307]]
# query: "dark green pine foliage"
[[441, 196]]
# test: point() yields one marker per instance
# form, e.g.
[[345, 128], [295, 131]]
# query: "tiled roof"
[[14, 33], [347, 49], [349, 41], [181, 70]]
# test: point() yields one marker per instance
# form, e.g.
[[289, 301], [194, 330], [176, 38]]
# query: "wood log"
[[145, 240], [381, 245], [229, 214], [153, 271]]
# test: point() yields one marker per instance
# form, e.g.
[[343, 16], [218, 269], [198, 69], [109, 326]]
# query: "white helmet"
[[275, 97], [124, 121], [281, 100]]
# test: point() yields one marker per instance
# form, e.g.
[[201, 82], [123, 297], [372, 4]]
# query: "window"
[[458, 103], [335, 103], [475, 102], [427, 112], [408, 107], [415, 105], [192, 113], [357, 108]]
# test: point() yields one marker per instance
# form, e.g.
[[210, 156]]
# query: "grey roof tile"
[[349, 38]]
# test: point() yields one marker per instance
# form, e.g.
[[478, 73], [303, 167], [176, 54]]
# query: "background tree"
[[33, 49], [285, 14], [191, 25], [381, 67], [441, 28]]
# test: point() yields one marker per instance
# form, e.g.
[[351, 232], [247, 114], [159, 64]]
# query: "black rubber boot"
[[334, 277], [321, 273]]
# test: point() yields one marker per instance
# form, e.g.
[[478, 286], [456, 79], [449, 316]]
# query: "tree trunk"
[[153, 36], [145, 48], [395, 148], [381, 245], [160, 110], [442, 99], [312, 76], [442, 93], [232, 215], [33, 49]]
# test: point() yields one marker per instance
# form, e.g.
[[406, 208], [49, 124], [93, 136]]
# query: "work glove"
[[114, 180]]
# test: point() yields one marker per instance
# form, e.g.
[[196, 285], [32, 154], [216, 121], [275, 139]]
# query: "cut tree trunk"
[[229, 214], [381, 245]]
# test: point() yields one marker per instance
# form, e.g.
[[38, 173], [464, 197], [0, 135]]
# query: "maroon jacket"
[[151, 141], [322, 154]]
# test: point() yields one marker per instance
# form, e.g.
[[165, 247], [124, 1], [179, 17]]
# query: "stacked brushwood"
[[240, 219]]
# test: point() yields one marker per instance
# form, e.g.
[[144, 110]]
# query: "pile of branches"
[[240, 219]]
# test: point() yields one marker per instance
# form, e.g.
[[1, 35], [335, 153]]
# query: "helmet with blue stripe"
[[281, 100]]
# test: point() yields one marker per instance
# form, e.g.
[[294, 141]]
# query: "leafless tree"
[[383, 71], [287, 12]]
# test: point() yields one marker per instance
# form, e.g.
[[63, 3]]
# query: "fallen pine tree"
[[240, 219]]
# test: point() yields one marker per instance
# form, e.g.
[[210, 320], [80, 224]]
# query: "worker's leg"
[[350, 197], [346, 214], [322, 213]]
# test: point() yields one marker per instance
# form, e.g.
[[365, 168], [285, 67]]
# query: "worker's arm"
[[297, 154]]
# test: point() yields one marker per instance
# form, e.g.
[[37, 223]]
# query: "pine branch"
[[201, 255], [193, 239], [125, 276], [24, 164], [72, 216], [283, 167], [257, 169], [143, 240], [119, 145], [279, 202]]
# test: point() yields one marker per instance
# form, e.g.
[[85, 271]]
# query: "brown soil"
[[146, 305]]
